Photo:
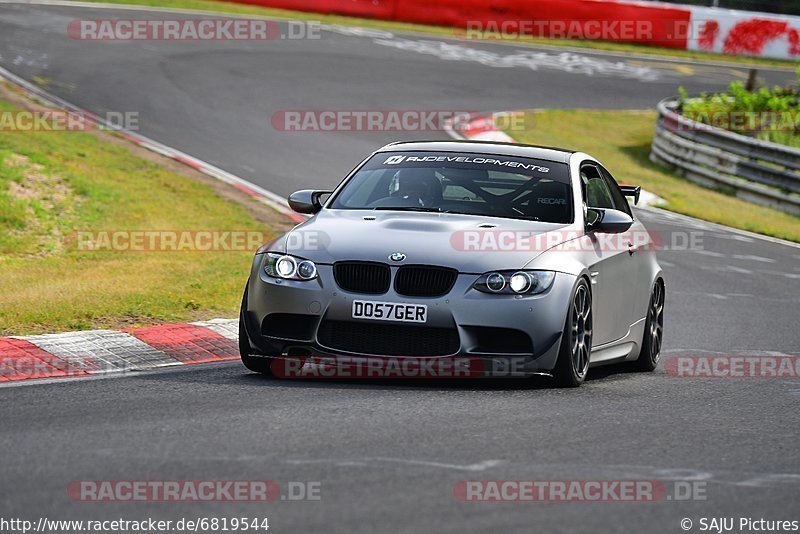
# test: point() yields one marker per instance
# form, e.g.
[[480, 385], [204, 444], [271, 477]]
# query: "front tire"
[[653, 331], [576, 341], [254, 363]]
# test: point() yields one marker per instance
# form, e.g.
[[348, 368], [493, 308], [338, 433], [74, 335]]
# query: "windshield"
[[448, 182]]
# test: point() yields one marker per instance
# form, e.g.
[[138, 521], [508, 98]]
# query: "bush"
[[771, 114]]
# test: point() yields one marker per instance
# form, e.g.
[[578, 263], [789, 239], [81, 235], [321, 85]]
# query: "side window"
[[619, 199], [596, 192]]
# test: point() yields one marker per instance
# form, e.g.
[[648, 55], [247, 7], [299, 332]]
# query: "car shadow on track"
[[234, 374], [596, 376]]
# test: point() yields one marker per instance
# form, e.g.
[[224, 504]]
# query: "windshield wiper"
[[410, 208]]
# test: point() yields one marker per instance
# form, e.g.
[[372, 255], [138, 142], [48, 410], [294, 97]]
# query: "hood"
[[468, 243]]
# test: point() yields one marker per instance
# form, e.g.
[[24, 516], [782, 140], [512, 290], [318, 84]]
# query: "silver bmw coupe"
[[524, 258]]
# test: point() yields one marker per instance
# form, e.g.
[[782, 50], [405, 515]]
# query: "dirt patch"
[[48, 190], [47, 200]]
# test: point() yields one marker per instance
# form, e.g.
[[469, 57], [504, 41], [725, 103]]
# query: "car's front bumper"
[[314, 318]]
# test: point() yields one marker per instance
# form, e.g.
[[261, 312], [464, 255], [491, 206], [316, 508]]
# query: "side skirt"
[[623, 349]]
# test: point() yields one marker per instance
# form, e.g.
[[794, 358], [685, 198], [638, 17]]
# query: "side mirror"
[[608, 221], [632, 191], [307, 201]]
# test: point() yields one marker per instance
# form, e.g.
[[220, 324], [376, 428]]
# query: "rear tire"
[[576, 341], [653, 331], [254, 363]]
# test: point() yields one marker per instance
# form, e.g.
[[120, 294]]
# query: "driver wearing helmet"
[[420, 186]]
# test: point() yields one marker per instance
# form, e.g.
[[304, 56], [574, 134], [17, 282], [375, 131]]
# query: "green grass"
[[622, 48], [54, 184], [768, 113], [621, 140]]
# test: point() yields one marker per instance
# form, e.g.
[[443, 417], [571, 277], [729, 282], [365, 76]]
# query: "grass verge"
[[621, 140], [622, 48], [54, 185]]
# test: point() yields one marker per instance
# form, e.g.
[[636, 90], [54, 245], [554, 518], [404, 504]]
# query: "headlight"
[[520, 282], [515, 282], [495, 282], [288, 267], [306, 270]]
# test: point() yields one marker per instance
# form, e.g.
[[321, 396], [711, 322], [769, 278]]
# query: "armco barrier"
[[751, 169], [683, 27]]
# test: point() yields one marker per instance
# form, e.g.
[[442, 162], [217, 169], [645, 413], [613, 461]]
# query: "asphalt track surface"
[[388, 454]]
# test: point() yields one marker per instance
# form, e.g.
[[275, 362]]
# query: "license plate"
[[390, 311]]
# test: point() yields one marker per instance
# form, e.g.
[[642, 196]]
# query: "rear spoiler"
[[631, 191]]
